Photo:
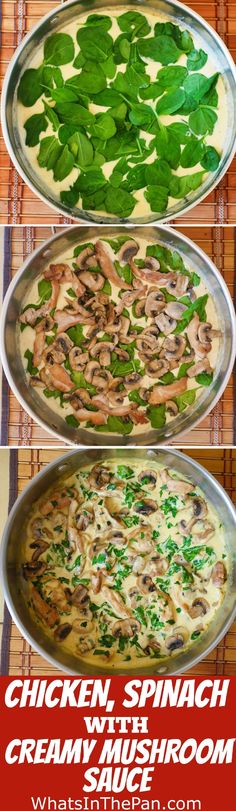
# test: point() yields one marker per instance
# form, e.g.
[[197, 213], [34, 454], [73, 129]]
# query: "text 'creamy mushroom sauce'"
[[123, 563], [119, 335], [122, 114]]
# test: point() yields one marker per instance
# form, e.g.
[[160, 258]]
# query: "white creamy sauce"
[[27, 336], [142, 208], [155, 540]]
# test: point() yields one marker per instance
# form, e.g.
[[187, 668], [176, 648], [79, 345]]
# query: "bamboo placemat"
[[219, 428], [20, 659], [18, 204]]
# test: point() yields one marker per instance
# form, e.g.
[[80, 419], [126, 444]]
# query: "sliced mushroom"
[[63, 343], [148, 477], [206, 333], [178, 285], [152, 647], [173, 347], [199, 507], [78, 358], [102, 350], [62, 632], [199, 607], [34, 569], [158, 566], [128, 628], [161, 394], [128, 250], [92, 368], [82, 625], [219, 574], [202, 529], [155, 303], [39, 547], [85, 645], [176, 640], [94, 281], [85, 255], [145, 507], [80, 596], [192, 333], [140, 308], [175, 309], [146, 584], [131, 381], [99, 477], [165, 323], [157, 367], [172, 408]]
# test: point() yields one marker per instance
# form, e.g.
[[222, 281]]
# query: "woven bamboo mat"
[[20, 657], [216, 429], [18, 204]]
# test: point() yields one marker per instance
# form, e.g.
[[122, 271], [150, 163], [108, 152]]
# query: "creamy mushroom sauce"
[[115, 359], [124, 563], [64, 187]]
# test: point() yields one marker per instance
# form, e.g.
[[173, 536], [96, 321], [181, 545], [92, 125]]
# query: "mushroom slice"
[[85, 645], [84, 256], [161, 394], [165, 323], [199, 506], [102, 350], [128, 628], [172, 408], [148, 477], [128, 250], [173, 347], [108, 267], [63, 343], [94, 281], [145, 507], [128, 298], [175, 309], [80, 596], [92, 368], [119, 410], [152, 647], [192, 333], [155, 303], [199, 608], [62, 631], [157, 368], [177, 640], [39, 548], [33, 569], [158, 566], [200, 366], [78, 358], [140, 308], [219, 574], [99, 477], [146, 584], [178, 286], [131, 381]]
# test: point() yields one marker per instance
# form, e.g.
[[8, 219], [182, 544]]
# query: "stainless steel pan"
[[61, 16], [13, 538], [40, 410]]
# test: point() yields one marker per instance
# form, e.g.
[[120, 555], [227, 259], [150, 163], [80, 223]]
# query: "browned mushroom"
[[155, 303], [80, 596], [148, 477], [85, 255], [176, 640], [199, 607], [62, 632], [200, 366], [157, 368], [127, 628], [78, 358], [146, 584], [102, 350], [128, 250], [219, 574], [192, 333], [145, 507], [39, 548], [99, 477], [173, 347], [152, 647], [172, 408], [33, 569], [94, 281]]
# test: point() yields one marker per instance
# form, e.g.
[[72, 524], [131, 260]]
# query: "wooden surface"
[[18, 204], [222, 660], [216, 429]]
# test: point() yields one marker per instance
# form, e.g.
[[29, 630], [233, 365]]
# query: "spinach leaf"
[[136, 178], [116, 425], [34, 126], [198, 307], [168, 146], [170, 102], [211, 159], [183, 369], [99, 20], [192, 153], [196, 59], [204, 378], [134, 396], [29, 89], [121, 49], [182, 38], [52, 116], [30, 367], [95, 43], [63, 165], [72, 421], [81, 149], [158, 173], [181, 186], [202, 120], [91, 80], [76, 334], [157, 415], [121, 204], [44, 290], [134, 22], [49, 152], [103, 127], [91, 181], [125, 472], [108, 98], [157, 197], [59, 49], [180, 130], [51, 77], [80, 382], [172, 76], [187, 398], [160, 48], [69, 111], [142, 116], [197, 85]]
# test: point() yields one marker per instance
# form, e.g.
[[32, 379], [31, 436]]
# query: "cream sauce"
[[124, 593], [217, 139]]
